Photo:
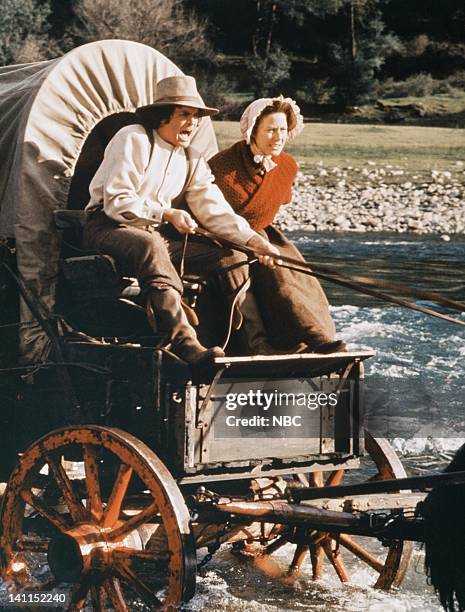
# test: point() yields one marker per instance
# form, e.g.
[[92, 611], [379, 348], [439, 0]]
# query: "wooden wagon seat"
[[95, 275]]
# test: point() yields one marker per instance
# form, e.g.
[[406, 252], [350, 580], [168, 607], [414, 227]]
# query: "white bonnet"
[[252, 112]]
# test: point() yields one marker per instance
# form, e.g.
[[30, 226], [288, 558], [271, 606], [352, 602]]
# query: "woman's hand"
[[181, 220], [257, 242]]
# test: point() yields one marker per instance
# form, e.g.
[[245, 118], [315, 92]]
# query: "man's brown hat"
[[181, 91]]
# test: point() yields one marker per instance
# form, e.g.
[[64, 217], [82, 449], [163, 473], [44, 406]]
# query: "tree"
[[357, 63], [269, 73], [270, 64], [165, 25], [23, 31]]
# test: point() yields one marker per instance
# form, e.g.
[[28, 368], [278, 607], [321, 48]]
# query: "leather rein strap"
[[358, 283]]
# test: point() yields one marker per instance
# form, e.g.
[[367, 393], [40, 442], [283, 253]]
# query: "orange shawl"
[[254, 196]]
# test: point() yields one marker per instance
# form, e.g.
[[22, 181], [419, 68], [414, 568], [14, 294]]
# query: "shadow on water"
[[414, 385], [426, 262]]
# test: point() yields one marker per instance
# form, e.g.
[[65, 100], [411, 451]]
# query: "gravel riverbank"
[[374, 198]]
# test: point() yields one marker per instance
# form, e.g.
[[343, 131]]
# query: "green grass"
[[415, 150], [445, 110]]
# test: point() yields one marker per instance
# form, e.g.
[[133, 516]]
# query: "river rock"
[[376, 201]]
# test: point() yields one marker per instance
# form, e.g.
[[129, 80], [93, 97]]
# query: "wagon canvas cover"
[[47, 110]]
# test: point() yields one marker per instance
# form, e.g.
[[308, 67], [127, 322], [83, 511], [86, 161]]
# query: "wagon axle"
[[87, 552]]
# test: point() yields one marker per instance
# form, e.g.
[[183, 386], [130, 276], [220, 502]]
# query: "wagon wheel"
[[321, 546], [118, 532]]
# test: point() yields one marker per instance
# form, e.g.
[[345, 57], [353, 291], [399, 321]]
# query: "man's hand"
[[181, 220], [257, 242]]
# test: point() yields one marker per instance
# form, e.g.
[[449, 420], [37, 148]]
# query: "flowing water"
[[414, 397]]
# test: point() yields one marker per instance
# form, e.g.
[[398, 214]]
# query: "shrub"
[[420, 85], [418, 45], [269, 74], [417, 85], [165, 25], [215, 90], [23, 31], [457, 80], [317, 91]]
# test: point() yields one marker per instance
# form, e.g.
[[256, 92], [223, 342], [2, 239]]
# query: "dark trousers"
[[154, 257]]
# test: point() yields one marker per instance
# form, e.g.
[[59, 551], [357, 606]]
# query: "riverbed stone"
[[376, 201]]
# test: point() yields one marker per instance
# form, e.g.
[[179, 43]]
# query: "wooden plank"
[[267, 471], [392, 501]]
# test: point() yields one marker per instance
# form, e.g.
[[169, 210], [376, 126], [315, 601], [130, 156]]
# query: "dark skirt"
[[293, 305]]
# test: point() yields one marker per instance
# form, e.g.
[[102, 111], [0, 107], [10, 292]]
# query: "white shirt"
[[136, 182]]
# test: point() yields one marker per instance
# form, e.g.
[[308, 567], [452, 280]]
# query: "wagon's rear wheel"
[[388, 564], [117, 532]]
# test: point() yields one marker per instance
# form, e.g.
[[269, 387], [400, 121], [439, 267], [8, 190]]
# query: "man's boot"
[[170, 319], [253, 334]]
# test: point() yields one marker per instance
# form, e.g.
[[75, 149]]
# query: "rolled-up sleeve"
[[120, 177], [211, 209]]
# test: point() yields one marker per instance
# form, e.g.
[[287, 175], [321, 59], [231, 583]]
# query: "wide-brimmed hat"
[[181, 91]]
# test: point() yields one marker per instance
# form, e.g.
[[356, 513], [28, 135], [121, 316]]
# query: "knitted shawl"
[[255, 196]]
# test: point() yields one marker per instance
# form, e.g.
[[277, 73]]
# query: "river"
[[414, 396]]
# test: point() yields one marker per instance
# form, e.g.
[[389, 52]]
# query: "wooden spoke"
[[360, 552], [94, 497], [139, 587], [299, 557], [316, 479], [316, 538], [335, 478], [49, 513], [276, 545], [113, 509], [129, 554], [99, 555], [113, 589], [389, 564], [75, 507], [301, 478], [316, 557], [134, 522], [336, 560], [79, 596], [97, 598]]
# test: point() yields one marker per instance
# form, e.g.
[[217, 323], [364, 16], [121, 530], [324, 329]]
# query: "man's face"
[[181, 127]]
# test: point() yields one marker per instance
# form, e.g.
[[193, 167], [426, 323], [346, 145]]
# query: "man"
[[146, 170]]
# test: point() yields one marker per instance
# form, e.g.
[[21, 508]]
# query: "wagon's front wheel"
[[114, 531], [387, 564]]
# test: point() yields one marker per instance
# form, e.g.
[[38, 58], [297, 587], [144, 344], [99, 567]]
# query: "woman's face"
[[271, 134]]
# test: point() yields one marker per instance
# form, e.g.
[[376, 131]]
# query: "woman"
[[256, 176]]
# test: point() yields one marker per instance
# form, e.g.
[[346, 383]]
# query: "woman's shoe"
[[337, 346]]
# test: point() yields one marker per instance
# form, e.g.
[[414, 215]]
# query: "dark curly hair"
[[155, 116]]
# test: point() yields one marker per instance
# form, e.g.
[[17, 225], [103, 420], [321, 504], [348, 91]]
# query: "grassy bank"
[[416, 151]]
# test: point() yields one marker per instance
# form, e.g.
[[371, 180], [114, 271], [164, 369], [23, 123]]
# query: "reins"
[[357, 283]]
